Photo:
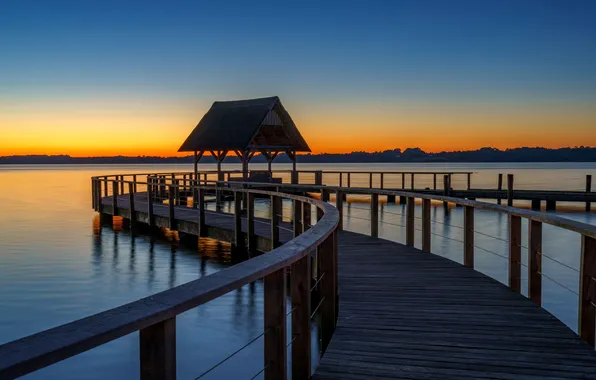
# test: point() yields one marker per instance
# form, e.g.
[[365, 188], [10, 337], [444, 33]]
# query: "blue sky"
[[342, 53]]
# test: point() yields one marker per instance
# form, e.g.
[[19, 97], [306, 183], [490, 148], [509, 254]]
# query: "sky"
[[109, 77]]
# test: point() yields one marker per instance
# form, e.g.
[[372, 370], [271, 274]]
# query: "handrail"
[[155, 314]]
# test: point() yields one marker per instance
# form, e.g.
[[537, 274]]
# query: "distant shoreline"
[[410, 155]]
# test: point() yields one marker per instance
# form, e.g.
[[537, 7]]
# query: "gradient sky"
[[134, 77]]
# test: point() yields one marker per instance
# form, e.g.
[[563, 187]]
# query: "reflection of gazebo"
[[245, 127]]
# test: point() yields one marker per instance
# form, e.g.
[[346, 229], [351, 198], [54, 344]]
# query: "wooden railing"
[[155, 316], [587, 232], [535, 220]]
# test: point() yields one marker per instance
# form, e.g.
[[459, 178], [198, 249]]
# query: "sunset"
[[501, 74], [306, 190]]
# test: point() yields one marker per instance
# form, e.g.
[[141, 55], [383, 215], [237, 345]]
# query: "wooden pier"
[[388, 310], [442, 184]]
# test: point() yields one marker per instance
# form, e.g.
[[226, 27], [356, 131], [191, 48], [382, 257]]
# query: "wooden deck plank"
[[407, 314]]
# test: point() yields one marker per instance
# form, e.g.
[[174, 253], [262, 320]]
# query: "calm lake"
[[57, 264]]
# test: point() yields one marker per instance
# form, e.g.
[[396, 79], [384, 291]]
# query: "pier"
[[388, 310]]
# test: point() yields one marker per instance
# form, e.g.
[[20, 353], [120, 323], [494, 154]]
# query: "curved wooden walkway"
[[408, 314]]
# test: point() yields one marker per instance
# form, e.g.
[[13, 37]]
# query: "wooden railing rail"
[[155, 316], [587, 267]]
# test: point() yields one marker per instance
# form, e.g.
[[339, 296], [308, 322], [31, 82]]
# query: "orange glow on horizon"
[[151, 130]]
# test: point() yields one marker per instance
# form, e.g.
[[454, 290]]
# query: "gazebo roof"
[[255, 125]]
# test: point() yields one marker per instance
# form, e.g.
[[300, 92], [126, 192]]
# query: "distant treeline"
[[577, 154]]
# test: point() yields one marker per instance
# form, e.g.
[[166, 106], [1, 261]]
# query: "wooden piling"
[[339, 204], [587, 290], [588, 190], [157, 350], [250, 222], [300, 290], [426, 229], [499, 187], [131, 201], [374, 215], [509, 189], [171, 202], [275, 325], [275, 217], [515, 253], [410, 222], [201, 206], [535, 261], [469, 236]]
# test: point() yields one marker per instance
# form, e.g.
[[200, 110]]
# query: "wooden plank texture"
[[407, 315]]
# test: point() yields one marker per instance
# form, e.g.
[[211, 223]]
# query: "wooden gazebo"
[[245, 127]]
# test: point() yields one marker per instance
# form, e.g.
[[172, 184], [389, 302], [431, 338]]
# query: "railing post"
[[275, 211], [158, 351], [115, 198], [201, 206], [469, 181], [341, 179], [370, 181], [535, 261], [177, 198], [318, 178], [150, 204], [426, 225], [105, 186], [434, 181], [382, 180], [171, 207], [446, 191], [412, 181], [469, 236], [250, 222], [339, 204], [300, 285], [349, 180], [238, 234], [93, 193], [121, 184], [326, 255], [297, 217], [131, 201], [509, 189], [374, 215], [195, 197], [499, 187], [324, 198], [306, 216], [403, 181], [134, 181], [515, 253], [410, 222], [588, 189], [275, 325], [587, 290]]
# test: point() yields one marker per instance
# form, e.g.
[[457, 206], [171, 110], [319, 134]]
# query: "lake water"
[[57, 264]]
